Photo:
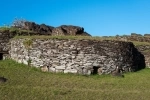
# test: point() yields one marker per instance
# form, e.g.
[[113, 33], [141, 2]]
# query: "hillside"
[[26, 83]]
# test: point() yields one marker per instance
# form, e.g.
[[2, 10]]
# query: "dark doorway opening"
[[1, 56], [95, 70]]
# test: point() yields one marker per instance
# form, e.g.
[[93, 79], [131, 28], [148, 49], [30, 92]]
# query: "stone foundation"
[[77, 56]]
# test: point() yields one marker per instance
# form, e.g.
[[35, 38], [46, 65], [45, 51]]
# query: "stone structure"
[[143, 44], [77, 56], [69, 30], [4, 45], [31, 28], [74, 56], [133, 38], [145, 50], [50, 30], [4, 40]]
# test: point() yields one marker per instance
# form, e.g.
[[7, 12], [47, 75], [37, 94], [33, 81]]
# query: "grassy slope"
[[136, 43], [14, 30], [18, 31], [26, 83]]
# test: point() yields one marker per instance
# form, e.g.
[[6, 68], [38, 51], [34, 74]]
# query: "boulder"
[[69, 30], [50, 30], [41, 29]]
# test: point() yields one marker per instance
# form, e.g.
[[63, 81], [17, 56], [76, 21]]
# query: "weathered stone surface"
[[35, 29], [44, 69], [3, 79], [145, 50], [93, 57], [69, 30], [50, 30], [134, 38], [4, 42], [41, 29], [76, 52]]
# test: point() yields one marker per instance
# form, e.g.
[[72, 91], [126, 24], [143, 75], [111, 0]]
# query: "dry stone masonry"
[[31, 28], [145, 50], [77, 56], [4, 42], [72, 55], [4, 45]]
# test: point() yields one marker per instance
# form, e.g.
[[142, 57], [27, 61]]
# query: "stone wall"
[[77, 56], [133, 38], [145, 50], [4, 42], [50, 30], [143, 46]]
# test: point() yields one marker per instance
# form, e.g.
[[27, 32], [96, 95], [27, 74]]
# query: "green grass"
[[27, 83], [146, 51], [14, 30], [20, 31], [137, 43], [61, 37]]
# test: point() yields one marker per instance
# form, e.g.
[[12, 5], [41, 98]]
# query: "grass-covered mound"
[[136, 43], [15, 30], [27, 83]]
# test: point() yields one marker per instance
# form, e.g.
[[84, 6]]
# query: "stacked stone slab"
[[145, 50], [50, 30], [4, 42], [31, 28], [78, 56]]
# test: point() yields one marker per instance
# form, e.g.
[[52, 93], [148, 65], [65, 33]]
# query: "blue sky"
[[98, 17]]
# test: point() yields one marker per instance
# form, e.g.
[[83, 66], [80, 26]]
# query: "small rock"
[[44, 68], [2, 79]]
